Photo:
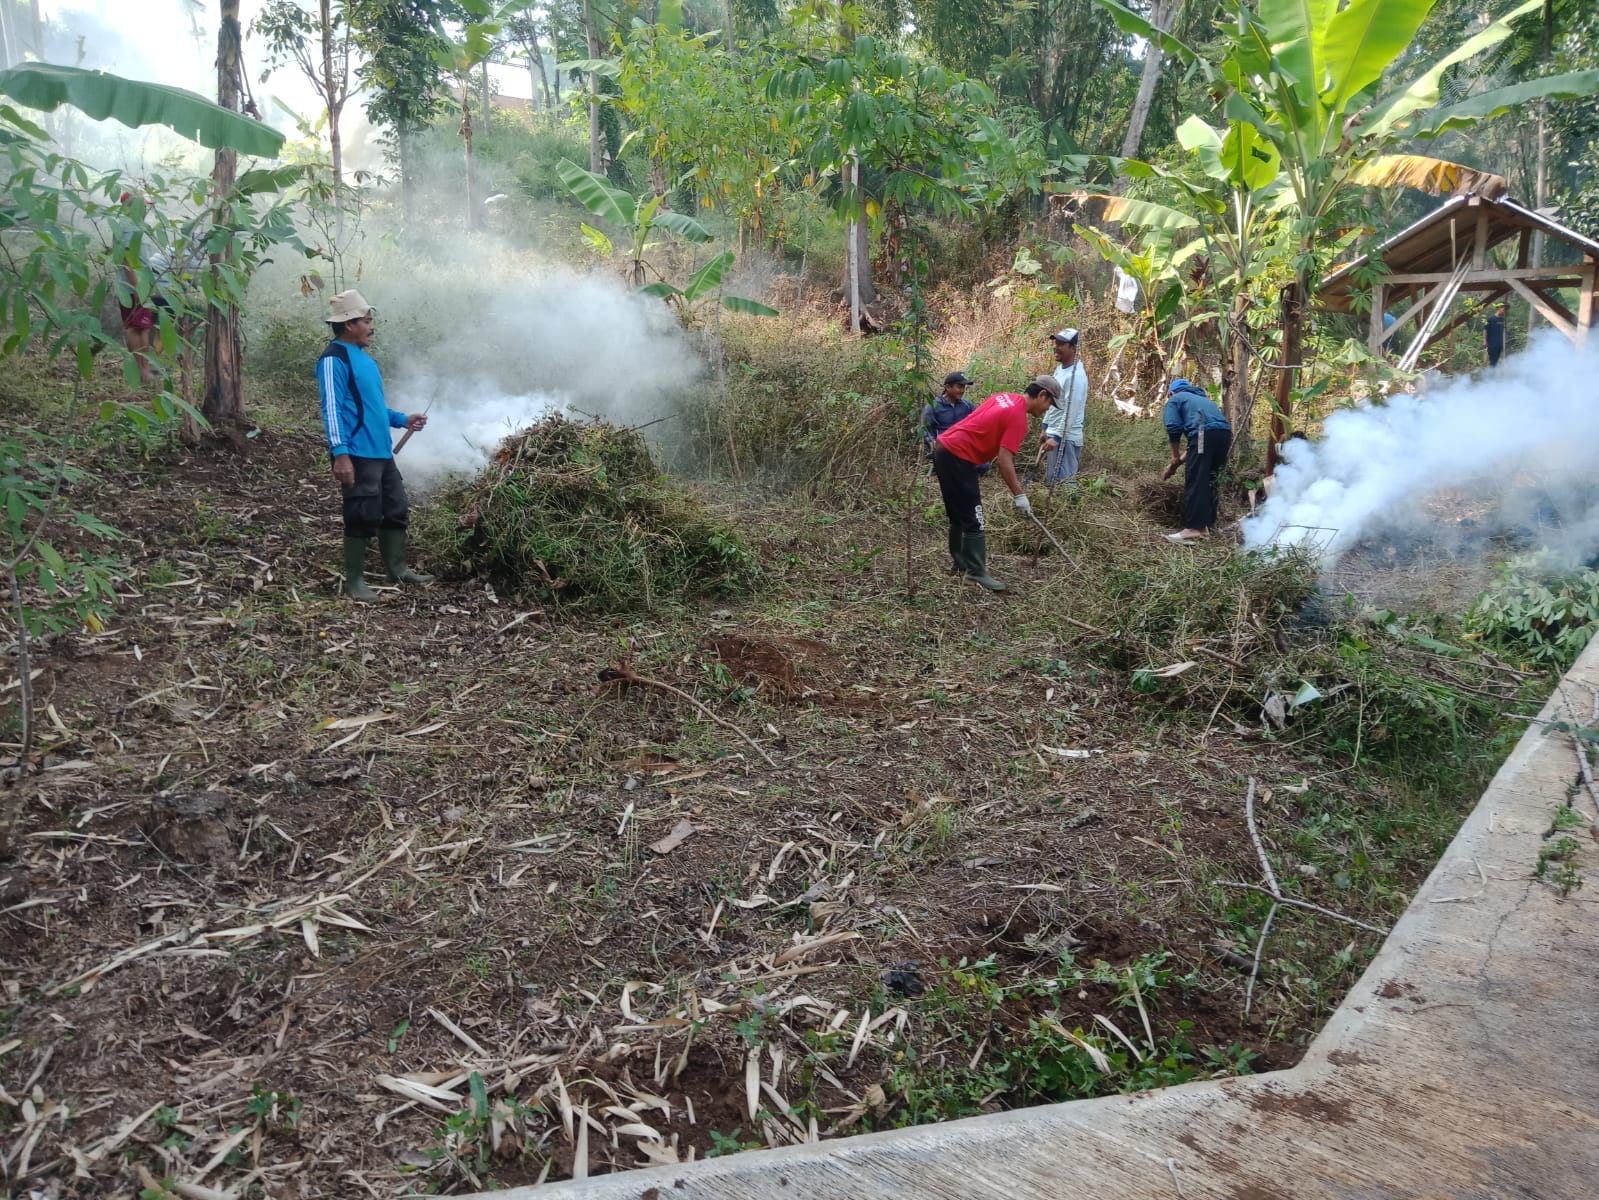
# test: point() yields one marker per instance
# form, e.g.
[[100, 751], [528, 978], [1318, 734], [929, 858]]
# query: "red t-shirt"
[[999, 422]]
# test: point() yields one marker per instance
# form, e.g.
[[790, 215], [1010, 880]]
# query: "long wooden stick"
[[624, 673], [1034, 518]]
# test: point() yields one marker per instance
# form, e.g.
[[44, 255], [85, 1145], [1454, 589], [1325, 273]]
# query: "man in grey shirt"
[[1063, 423]]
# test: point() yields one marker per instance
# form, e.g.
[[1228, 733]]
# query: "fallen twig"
[[622, 672], [1276, 894], [1308, 906]]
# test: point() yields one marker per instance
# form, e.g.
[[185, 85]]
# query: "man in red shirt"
[[994, 432]]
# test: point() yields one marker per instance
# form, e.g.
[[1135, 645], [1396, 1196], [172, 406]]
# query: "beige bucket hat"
[[348, 306]]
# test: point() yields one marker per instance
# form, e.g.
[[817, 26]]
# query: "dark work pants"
[[1495, 351], [961, 486], [376, 500], [1207, 454]]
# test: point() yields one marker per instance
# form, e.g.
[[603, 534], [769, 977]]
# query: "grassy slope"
[[921, 801]]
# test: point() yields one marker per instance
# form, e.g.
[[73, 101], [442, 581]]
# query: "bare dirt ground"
[[315, 900]]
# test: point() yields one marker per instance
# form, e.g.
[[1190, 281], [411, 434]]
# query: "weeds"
[[1557, 866], [984, 1042]]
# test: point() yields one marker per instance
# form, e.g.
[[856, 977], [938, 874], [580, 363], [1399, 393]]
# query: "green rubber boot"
[[956, 553], [976, 546], [355, 571], [392, 544]]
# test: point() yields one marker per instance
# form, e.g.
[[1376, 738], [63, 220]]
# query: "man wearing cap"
[[946, 409], [994, 432], [1063, 423], [1190, 411], [357, 422]]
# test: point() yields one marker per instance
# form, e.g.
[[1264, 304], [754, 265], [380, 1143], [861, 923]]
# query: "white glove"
[[1023, 504]]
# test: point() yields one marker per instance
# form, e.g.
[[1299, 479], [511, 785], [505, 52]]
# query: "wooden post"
[[1374, 338], [1585, 300], [1479, 245]]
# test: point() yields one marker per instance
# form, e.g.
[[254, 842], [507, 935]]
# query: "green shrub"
[[578, 513], [534, 163], [1544, 618]]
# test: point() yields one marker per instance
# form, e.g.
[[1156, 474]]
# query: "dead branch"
[[1276, 894], [622, 673], [1308, 906]]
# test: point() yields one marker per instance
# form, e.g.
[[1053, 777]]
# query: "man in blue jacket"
[[357, 422], [1190, 411], [946, 409]]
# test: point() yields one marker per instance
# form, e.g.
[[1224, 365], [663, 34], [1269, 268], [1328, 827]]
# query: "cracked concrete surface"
[[1463, 1064]]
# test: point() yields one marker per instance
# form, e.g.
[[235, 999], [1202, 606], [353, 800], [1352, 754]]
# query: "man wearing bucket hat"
[[357, 422], [991, 434], [1063, 423]]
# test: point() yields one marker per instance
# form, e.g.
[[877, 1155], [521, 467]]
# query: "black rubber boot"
[[976, 546], [391, 542], [956, 565], [355, 570]]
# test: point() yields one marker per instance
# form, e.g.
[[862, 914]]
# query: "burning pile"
[[575, 512]]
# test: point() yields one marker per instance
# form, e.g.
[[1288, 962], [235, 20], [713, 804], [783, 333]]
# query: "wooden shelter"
[[1447, 252]]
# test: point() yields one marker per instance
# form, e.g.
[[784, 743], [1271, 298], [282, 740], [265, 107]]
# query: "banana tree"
[[102, 96], [1232, 202], [706, 284], [640, 219], [1307, 76], [1171, 271]]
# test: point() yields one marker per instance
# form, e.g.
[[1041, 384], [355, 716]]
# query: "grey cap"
[[1067, 335], [1048, 383]]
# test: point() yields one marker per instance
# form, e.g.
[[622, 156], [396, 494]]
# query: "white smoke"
[[465, 425], [1517, 441], [493, 342]]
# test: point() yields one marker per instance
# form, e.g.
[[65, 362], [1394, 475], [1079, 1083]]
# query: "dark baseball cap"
[[955, 377]]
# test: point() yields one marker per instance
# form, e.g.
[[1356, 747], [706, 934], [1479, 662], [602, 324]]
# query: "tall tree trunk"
[[466, 140], [555, 53], [1160, 16], [1543, 154], [592, 37], [488, 100], [402, 140], [223, 399], [10, 44], [535, 68], [333, 92], [852, 250]]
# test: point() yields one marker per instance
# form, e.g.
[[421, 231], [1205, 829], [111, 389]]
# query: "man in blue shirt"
[[1190, 411], [1493, 334], [357, 422], [946, 409]]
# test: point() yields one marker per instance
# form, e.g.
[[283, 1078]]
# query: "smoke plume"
[[492, 346], [1511, 448]]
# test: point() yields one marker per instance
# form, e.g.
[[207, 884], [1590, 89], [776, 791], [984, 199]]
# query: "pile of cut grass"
[[578, 513]]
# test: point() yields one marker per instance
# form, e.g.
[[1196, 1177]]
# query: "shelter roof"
[[1439, 240]]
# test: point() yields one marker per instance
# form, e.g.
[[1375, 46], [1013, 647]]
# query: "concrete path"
[[1463, 1064]]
